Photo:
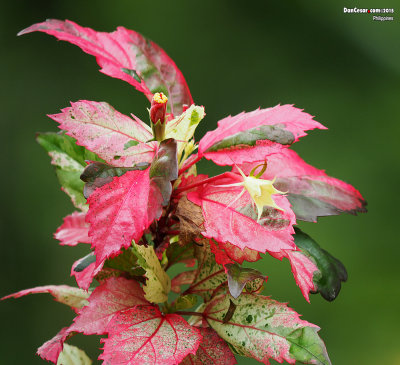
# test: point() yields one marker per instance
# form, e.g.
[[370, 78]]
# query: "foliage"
[[143, 208]]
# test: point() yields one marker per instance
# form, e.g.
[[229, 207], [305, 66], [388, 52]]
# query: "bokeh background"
[[235, 55]]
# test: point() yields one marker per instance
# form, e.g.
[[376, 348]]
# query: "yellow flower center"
[[160, 98]]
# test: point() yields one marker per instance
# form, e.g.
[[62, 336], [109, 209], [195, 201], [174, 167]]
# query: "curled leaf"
[[239, 276]]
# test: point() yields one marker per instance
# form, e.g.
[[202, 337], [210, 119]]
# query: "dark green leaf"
[[164, 168], [331, 271], [84, 262]]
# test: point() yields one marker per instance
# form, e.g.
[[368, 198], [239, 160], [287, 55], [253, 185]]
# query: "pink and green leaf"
[[252, 136], [74, 297], [126, 55], [85, 270], [143, 335], [116, 138], [311, 192], [98, 174], [264, 329], [213, 350]]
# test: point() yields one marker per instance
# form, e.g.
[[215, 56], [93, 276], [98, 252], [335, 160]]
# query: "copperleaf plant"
[[143, 208]]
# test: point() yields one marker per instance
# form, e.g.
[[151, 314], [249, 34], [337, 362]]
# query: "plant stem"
[[184, 313], [190, 162], [205, 181]]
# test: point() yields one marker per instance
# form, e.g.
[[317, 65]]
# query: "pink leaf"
[[213, 350], [106, 301], [228, 218], [115, 137], [312, 193], [126, 55], [120, 212], [303, 270], [252, 136], [73, 297], [143, 335], [74, 230], [51, 349]]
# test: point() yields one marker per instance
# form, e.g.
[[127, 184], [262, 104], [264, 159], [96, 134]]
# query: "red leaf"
[[290, 119], [74, 230], [143, 335], [51, 349], [228, 219], [106, 301], [120, 212], [213, 350], [126, 55], [115, 137]]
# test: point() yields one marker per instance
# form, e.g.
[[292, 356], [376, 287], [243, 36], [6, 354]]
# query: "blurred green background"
[[235, 55]]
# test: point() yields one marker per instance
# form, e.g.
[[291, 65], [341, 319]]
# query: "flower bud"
[[158, 108]]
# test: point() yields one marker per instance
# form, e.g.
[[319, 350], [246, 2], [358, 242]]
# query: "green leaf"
[[239, 276], [264, 329], [158, 283], [209, 275], [275, 133], [164, 168], [125, 262], [97, 174], [71, 355], [177, 253], [183, 127], [69, 161], [331, 271], [184, 302], [132, 73]]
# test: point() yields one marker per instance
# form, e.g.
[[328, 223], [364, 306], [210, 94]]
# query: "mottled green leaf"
[[264, 329], [209, 275], [69, 161], [331, 271], [238, 277], [158, 283]]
